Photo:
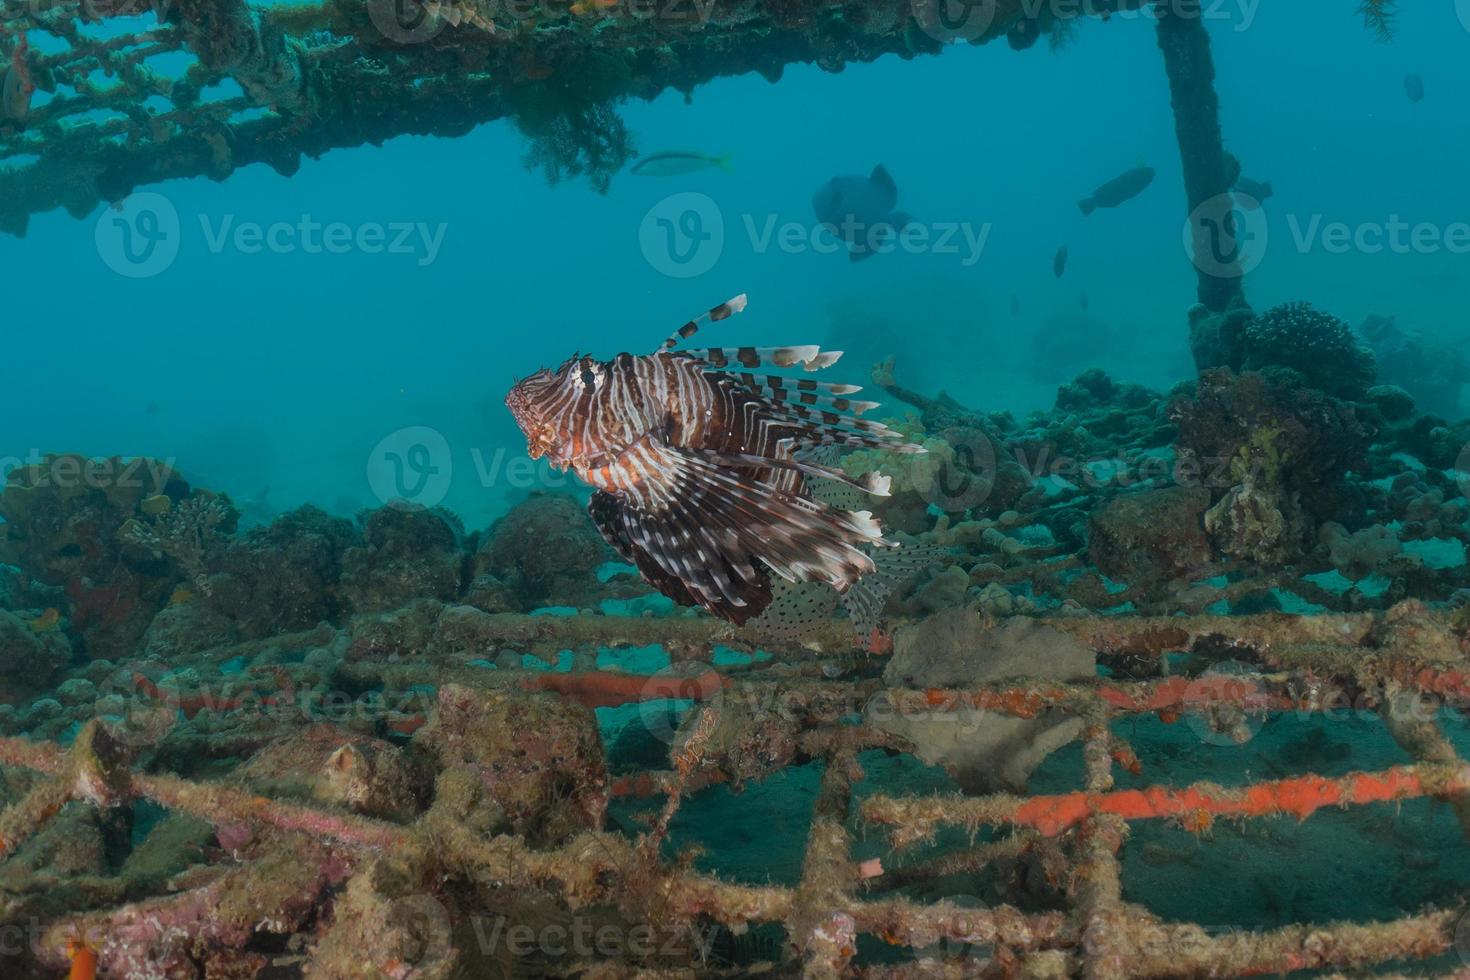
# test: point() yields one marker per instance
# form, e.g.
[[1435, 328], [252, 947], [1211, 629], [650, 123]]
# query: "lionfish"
[[704, 474]]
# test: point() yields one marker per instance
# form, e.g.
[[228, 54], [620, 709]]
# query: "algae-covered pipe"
[[1208, 172]]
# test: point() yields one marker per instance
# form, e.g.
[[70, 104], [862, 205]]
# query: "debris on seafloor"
[[395, 748]]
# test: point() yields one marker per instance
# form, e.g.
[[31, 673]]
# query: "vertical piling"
[[1208, 171]]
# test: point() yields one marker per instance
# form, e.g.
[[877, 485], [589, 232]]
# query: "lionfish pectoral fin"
[[714, 534], [653, 548]]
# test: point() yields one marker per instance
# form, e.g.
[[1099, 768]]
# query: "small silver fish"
[[677, 163]]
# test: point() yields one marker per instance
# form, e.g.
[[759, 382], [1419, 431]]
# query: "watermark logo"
[[1227, 705], [135, 708], [1227, 235], [423, 922], [405, 21], [948, 21], [412, 467], [683, 235], [959, 477], [677, 683], [1462, 471], [139, 236], [961, 946]]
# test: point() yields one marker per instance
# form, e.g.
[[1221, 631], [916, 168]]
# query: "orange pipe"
[[609, 689], [1300, 796]]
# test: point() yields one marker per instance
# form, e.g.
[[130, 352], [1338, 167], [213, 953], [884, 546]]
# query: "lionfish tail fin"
[[723, 311]]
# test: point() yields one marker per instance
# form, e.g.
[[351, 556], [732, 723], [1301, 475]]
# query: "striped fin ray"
[[808, 357], [722, 312], [876, 484], [824, 428], [771, 387]]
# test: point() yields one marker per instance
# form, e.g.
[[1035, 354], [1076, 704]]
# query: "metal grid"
[[1406, 664]]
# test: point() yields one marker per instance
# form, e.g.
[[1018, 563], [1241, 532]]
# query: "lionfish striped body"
[[701, 470]]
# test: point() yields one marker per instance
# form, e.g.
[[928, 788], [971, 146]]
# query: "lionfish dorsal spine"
[[715, 314]]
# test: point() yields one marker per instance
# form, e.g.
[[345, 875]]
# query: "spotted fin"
[[893, 569], [797, 611]]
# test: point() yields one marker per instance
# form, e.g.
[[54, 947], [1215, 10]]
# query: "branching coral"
[[1380, 17], [572, 121], [191, 533]]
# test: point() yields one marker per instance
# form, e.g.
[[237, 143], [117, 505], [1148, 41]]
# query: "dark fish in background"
[[1256, 191], [1414, 87], [676, 163], [1015, 304], [1084, 302], [860, 211], [1059, 262], [1124, 187], [701, 467]]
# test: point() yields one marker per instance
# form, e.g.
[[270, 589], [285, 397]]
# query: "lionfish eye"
[[587, 374]]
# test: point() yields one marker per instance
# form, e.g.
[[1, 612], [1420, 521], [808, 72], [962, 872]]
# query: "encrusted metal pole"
[[1209, 172]]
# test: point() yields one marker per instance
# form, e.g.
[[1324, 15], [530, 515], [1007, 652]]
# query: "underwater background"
[[284, 371], [371, 384]]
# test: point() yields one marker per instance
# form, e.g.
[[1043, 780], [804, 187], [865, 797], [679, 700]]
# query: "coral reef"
[[405, 554], [1320, 347], [69, 524], [330, 749], [1434, 372], [543, 551], [1274, 455]]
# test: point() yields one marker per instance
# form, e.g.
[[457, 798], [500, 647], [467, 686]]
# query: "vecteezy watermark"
[[1462, 470], [416, 22], [1394, 236], [949, 21], [961, 474], [412, 467], [405, 21], [962, 943], [139, 236], [70, 472], [1226, 705], [586, 938], [916, 237], [417, 239], [1227, 235], [415, 466], [683, 235]]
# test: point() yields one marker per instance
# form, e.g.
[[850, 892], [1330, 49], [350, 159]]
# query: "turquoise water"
[[345, 338], [285, 370]]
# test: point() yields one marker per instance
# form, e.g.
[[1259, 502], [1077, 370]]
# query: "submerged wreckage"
[[332, 749]]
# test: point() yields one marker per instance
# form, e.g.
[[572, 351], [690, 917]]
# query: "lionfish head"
[[546, 404]]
